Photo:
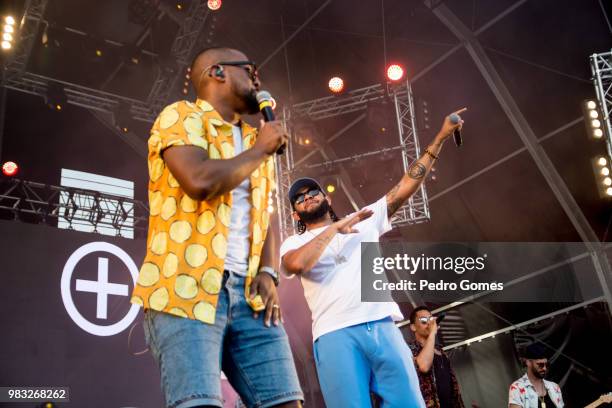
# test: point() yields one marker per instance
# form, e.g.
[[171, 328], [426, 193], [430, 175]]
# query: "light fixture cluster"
[[394, 73], [592, 119], [603, 175], [8, 33]]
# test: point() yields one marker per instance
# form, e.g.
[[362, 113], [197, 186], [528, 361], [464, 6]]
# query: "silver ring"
[[275, 306]]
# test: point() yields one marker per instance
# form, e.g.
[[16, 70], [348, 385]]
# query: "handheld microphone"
[[439, 318], [265, 107], [455, 119]]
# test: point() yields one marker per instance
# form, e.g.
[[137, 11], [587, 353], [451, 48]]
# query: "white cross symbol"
[[102, 288]]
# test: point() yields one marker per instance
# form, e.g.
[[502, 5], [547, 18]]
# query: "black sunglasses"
[[249, 66], [299, 199]]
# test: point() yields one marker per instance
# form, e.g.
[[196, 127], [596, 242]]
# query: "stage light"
[[605, 171], [6, 45], [10, 20], [270, 209], [602, 161], [591, 105], [336, 84], [593, 114], [122, 117], [56, 97], [395, 72], [330, 188], [179, 6], [609, 191], [10, 168], [597, 133], [607, 182], [8, 29], [99, 53], [214, 5], [596, 123], [7, 37]]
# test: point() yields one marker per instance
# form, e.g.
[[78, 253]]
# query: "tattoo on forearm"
[[417, 171], [393, 201], [321, 242]]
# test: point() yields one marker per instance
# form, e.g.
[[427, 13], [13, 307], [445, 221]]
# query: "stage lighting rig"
[[395, 72], [8, 33], [214, 5], [122, 117], [10, 169], [592, 115], [56, 98], [305, 133], [601, 169], [336, 85]]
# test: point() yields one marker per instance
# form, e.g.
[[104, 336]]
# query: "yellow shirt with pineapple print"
[[187, 239]]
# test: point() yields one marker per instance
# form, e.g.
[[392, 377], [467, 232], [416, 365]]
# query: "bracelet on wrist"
[[433, 156], [270, 271]]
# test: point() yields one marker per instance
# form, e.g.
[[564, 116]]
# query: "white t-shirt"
[[333, 292], [238, 238]]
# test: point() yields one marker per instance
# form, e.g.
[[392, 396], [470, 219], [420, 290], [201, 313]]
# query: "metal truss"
[[44, 203], [601, 68], [416, 209], [180, 53], [330, 106], [283, 166], [78, 95], [28, 29]]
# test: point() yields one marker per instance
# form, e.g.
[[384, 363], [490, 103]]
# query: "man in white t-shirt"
[[357, 347]]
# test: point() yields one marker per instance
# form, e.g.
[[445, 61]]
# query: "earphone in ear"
[[219, 71]]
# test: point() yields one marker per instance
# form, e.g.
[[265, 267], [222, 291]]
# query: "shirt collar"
[[549, 385], [218, 120]]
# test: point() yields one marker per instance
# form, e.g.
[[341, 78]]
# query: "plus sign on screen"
[[95, 287], [102, 288]]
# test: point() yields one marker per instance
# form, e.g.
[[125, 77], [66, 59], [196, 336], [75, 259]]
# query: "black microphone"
[[455, 119], [439, 318], [265, 107]]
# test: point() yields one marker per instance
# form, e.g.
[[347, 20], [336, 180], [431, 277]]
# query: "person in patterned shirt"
[[207, 282], [437, 378], [532, 390]]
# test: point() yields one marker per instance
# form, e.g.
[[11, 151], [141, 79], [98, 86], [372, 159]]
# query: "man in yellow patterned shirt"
[[209, 270]]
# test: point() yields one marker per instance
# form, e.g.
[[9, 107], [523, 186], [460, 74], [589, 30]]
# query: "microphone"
[[439, 318], [455, 119], [265, 107]]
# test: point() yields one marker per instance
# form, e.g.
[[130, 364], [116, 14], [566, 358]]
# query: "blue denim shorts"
[[256, 359]]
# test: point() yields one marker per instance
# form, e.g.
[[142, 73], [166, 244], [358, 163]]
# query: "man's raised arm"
[[418, 170]]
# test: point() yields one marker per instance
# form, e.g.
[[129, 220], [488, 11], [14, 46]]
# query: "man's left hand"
[[263, 285], [449, 127]]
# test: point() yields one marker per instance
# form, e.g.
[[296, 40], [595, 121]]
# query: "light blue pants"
[[366, 357]]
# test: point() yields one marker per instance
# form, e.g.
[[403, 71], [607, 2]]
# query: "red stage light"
[[336, 84], [214, 4], [10, 168], [395, 72]]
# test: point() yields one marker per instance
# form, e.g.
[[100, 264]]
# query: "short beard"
[[249, 99], [316, 215], [251, 103]]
